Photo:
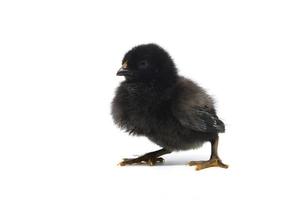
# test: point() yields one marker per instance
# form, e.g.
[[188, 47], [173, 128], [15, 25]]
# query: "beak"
[[123, 71]]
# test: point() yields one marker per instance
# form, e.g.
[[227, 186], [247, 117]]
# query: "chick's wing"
[[197, 119]]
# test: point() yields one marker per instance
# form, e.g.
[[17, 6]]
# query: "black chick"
[[170, 110]]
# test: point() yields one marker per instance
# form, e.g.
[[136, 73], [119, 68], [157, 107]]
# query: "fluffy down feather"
[[170, 110]]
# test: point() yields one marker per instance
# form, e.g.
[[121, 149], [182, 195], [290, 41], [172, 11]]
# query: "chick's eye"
[[143, 64]]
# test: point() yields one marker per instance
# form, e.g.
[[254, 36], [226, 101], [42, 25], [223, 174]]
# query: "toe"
[[220, 164], [207, 164], [151, 162], [198, 167], [192, 163], [122, 163], [126, 161]]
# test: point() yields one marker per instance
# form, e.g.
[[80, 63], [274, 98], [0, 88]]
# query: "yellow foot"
[[142, 160], [215, 162]]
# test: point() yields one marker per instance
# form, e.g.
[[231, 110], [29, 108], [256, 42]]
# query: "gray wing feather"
[[200, 120]]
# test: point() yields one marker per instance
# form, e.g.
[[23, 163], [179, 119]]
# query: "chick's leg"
[[214, 160], [149, 158]]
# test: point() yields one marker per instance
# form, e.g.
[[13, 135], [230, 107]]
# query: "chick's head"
[[147, 62]]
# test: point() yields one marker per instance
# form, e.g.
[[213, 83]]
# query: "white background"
[[58, 61]]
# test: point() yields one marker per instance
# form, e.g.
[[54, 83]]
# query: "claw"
[[122, 163], [160, 160]]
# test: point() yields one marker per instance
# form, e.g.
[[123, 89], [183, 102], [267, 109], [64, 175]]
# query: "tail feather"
[[220, 126]]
